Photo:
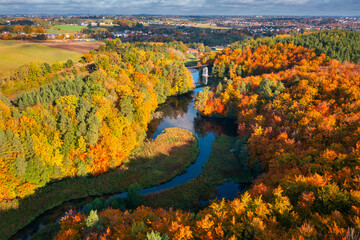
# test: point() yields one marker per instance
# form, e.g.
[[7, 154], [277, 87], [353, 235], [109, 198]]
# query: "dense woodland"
[[298, 119], [341, 45], [298, 112], [83, 120], [207, 36]]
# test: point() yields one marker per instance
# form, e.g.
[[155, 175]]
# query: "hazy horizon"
[[299, 8]]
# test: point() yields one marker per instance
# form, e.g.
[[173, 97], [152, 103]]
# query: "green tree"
[[45, 68], [20, 165], [222, 70], [127, 108], [201, 99], [37, 172], [68, 64], [156, 236], [264, 88], [137, 229], [239, 71], [93, 122], [66, 127], [219, 89], [28, 29], [279, 88], [93, 220], [241, 87], [28, 146], [133, 199]]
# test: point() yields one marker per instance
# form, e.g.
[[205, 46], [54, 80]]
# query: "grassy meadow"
[[221, 166], [61, 29], [16, 53]]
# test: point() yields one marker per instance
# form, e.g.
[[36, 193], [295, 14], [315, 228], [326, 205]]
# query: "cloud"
[[234, 3], [183, 7]]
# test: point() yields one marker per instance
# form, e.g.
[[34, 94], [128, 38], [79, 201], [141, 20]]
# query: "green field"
[[15, 53], [60, 29]]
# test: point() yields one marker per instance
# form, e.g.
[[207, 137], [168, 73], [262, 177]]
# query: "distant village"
[[265, 24], [146, 28]]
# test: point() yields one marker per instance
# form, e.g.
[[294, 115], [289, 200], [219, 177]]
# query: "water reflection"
[[178, 112], [200, 79], [203, 125], [228, 190], [174, 108]]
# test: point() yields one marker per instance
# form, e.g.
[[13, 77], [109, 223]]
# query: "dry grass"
[[221, 166], [16, 53], [71, 45], [165, 143], [162, 159]]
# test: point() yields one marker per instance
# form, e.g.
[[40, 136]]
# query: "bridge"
[[202, 68], [203, 72], [198, 66]]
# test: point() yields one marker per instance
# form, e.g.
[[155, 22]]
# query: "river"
[[177, 112]]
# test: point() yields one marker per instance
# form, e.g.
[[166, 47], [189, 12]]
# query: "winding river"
[[178, 112]]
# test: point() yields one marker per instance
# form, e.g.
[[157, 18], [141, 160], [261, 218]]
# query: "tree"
[[56, 67], [66, 127], [68, 64], [37, 172], [126, 107], [156, 236], [241, 87], [20, 166], [201, 99], [93, 122], [242, 152], [28, 29], [133, 199], [222, 70], [239, 70], [219, 89], [88, 57], [138, 229], [231, 66], [208, 49], [45, 68], [93, 220], [264, 88], [279, 88], [68, 124]]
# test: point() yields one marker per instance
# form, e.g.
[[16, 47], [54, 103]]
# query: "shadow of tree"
[[49, 203]]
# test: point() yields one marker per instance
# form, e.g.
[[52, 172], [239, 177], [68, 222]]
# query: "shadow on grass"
[[49, 203], [221, 166]]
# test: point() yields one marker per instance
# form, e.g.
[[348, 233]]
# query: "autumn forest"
[[296, 104]]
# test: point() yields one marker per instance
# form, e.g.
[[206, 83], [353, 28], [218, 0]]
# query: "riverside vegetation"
[[298, 113], [298, 125], [158, 161], [81, 121]]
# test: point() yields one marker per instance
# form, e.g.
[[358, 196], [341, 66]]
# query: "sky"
[[184, 7]]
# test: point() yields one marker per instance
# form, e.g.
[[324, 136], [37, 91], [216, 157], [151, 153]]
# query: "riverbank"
[[221, 167], [157, 162]]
